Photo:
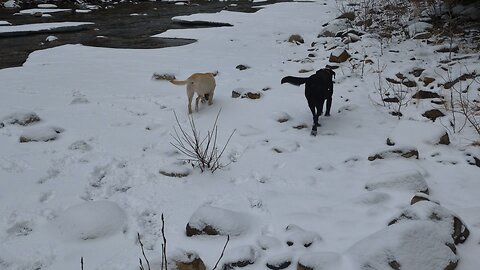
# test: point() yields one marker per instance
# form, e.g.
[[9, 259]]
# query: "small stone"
[[422, 94], [339, 56], [433, 114], [391, 100], [409, 83], [242, 67], [235, 94], [427, 80], [296, 38], [445, 140], [251, 95]]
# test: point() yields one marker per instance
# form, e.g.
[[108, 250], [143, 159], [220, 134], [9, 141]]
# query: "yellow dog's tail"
[[177, 82]]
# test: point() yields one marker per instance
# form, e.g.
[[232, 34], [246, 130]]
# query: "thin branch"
[[164, 245], [143, 253], [223, 251]]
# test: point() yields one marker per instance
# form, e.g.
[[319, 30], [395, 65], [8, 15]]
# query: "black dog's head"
[[328, 71]]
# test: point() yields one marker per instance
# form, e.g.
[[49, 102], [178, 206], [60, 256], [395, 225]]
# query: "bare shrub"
[[402, 98], [464, 102], [164, 265], [203, 153], [379, 86]]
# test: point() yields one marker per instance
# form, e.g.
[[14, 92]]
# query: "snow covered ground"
[[85, 133], [39, 27]]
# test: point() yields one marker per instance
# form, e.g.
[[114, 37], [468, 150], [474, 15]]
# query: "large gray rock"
[[240, 257], [430, 211], [320, 261], [22, 118], [410, 245], [409, 180]]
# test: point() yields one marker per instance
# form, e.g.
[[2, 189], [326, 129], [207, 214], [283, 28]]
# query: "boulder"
[[408, 180], [40, 134], [419, 133], [91, 220], [320, 261], [430, 211], [407, 245]]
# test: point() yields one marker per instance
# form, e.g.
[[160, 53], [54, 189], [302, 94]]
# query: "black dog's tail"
[[294, 80]]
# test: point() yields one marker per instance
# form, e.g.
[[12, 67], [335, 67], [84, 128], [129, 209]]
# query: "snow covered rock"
[[80, 145], [430, 211], [416, 133], [299, 237], [22, 118], [402, 180], [240, 257], [266, 242], [296, 38], [405, 152], [40, 134], [334, 27], [279, 261], [339, 55], [320, 261], [246, 93], [411, 245], [186, 260], [11, 4], [422, 94], [91, 220], [418, 28], [419, 197], [433, 114], [211, 220]]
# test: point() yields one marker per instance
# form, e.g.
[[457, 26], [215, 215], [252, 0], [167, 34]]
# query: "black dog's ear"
[[330, 72]]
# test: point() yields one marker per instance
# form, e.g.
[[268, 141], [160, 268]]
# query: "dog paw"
[[313, 133]]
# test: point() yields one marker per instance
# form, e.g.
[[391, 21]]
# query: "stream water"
[[124, 25]]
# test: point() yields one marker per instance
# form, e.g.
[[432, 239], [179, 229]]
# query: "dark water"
[[114, 27]]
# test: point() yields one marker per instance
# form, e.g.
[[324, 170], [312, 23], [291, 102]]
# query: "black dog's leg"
[[329, 105], [311, 105]]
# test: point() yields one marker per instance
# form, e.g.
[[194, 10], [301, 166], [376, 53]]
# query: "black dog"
[[318, 89]]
